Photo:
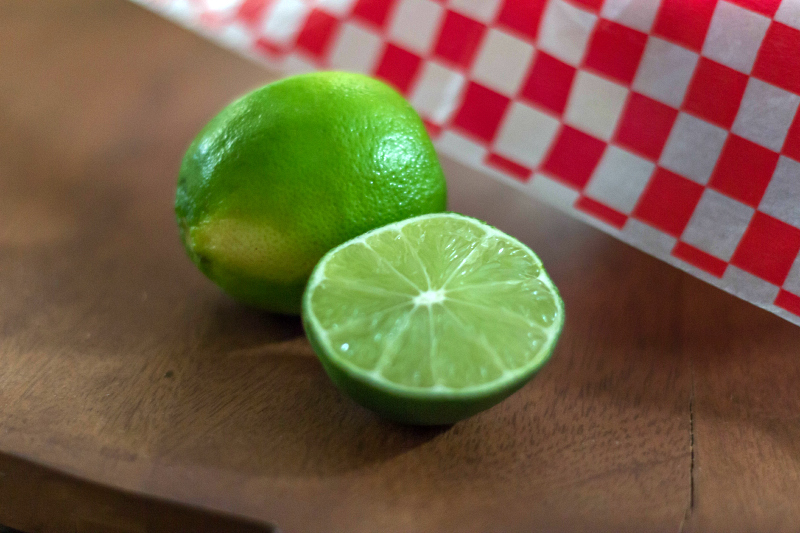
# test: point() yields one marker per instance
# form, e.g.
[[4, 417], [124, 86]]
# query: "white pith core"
[[430, 297]]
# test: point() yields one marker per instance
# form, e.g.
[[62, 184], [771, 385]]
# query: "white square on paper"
[[356, 49], [789, 13], [717, 224], [636, 14], [221, 6], [765, 114], [792, 283], [415, 24], [595, 104], [665, 71], [648, 238], [565, 30], [619, 179], [462, 149], [750, 287], [734, 36], [297, 63], [552, 191], [336, 7], [437, 93], [693, 148], [178, 10], [525, 135], [237, 35], [285, 21], [502, 62], [782, 197], [482, 10]]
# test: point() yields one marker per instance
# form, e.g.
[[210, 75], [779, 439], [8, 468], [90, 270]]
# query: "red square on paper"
[[765, 7], [744, 170], [668, 202], [317, 33], [459, 39], [700, 259], [481, 111], [791, 146], [433, 129], [645, 125], [549, 82], [788, 301], [615, 50], [778, 60], [268, 48], [251, 11], [522, 16], [574, 157], [593, 5], [715, 93], [509, 167], [768, 248], [601, 211], [374, 11], [685, 21], [398, 67]]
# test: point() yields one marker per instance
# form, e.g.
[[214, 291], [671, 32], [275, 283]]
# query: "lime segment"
[[432, 319]]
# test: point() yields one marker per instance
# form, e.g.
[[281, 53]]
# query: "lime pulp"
[[432, 319]]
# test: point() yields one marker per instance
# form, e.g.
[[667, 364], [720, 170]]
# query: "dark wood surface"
[[125, 376]]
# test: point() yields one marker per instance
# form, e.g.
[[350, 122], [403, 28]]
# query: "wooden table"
[[135, 396]]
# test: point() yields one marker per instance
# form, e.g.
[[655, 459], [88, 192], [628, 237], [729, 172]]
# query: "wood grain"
[[45, 500], [668, 405]]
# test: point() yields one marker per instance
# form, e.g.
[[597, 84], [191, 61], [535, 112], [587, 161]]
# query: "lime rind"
[[456, 401], [294, 168]]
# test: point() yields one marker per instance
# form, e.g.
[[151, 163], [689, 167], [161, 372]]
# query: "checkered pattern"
[[671, 124]]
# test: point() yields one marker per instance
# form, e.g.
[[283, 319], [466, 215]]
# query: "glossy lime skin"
[[295, 168]]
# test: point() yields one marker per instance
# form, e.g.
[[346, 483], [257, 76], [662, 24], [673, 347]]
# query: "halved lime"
[[432, 319]]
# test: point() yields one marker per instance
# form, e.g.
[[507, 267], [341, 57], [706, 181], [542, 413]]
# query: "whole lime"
[[295, 168]]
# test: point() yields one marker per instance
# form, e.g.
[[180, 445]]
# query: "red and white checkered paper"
[[670, 124]]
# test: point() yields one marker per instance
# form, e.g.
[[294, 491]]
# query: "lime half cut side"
[[432, 319]]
